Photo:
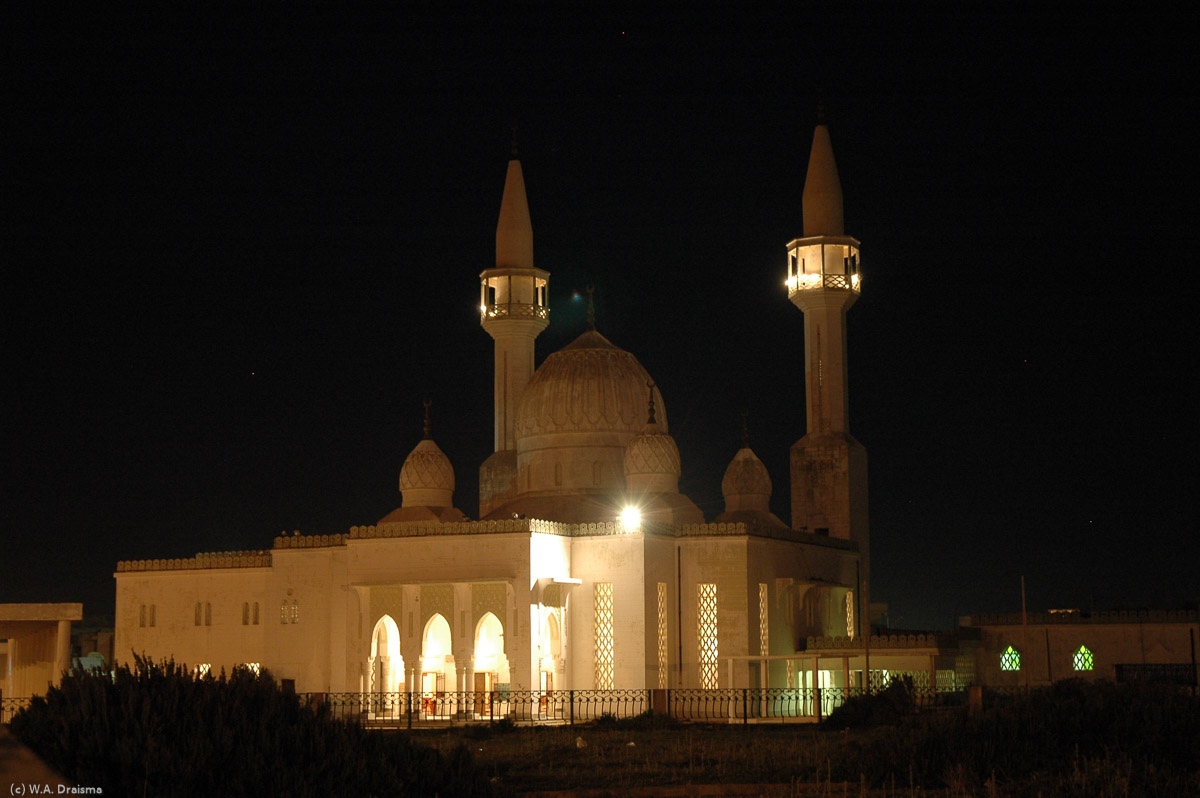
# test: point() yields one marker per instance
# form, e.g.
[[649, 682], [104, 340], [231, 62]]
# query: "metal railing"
[[730, 705], [11, 706]]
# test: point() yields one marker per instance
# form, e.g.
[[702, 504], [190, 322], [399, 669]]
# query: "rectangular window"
[[207, 614], [199, 613], [662, 635], [152, 614], [764, 645], [850, 614], [245, 613], [604, 635], [256, 613], [142, 616], [706, 603]]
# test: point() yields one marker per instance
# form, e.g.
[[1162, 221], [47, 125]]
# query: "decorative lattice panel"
[[490, 597], [604, 635], [764, 642], [850, 614], [1010, 660], [706, 602], [437, 599], [791, 674], [1083, 659], [662, 635]]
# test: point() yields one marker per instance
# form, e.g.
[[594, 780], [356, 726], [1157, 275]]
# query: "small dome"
[[589, 385], [652, 462], [427, 477], [746, 485]]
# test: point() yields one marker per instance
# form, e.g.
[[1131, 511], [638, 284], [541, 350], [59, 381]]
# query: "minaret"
[[513, 309], [828, 467]]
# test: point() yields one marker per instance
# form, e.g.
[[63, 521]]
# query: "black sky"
[[240, 251]]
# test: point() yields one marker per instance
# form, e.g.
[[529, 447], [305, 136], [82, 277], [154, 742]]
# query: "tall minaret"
[[829, 467], [513, 309]]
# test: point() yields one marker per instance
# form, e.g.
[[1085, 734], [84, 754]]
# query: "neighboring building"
[[35, 646], [1044, 647], [588, 569]]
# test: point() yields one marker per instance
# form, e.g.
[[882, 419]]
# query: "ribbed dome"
[[427, 477], [589, 385], [746, 476], [652, 452]]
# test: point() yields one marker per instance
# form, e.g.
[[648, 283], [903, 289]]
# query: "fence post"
[[745, 705], [817, 703], [410, 707], [491, 707], [572, 692]]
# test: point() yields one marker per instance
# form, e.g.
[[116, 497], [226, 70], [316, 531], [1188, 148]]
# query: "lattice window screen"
[[764, 644], [662, 635], [604, 635], [1010, 660], [1083, 659], [706, 600], [850, 614]]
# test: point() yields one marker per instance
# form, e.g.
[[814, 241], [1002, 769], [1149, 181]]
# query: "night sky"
[[239, 252]]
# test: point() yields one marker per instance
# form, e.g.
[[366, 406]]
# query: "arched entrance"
[[385, 665], [490, 663], [548, 664], [437, 666]]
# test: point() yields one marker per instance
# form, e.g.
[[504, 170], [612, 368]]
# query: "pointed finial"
[[745, 430], [650, 417], [428, 424], [591, 289], [513, 154]]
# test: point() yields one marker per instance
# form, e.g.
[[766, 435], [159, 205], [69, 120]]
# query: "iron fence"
[[11, 706], [731, 705]]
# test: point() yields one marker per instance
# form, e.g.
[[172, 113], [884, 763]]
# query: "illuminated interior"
[[1010, 660], [823, 262], [1083, 659], [505, 294]]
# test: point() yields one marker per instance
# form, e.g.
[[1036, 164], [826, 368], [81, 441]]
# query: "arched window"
[[1010, 660], [1083, 660]]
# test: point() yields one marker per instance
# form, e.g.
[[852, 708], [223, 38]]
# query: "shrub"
[[157, 729], [885, 708]]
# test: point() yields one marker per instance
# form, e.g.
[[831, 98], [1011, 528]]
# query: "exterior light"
[[631, 518]]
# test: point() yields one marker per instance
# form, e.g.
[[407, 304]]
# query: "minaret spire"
[[513, 309], [828, 467]]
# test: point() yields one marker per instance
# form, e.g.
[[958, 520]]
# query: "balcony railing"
[[809, 282], [514, 310]]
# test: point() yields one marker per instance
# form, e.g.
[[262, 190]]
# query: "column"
[[62, 650]]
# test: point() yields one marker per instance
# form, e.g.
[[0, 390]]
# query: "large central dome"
[[589, 385], [583, 406]]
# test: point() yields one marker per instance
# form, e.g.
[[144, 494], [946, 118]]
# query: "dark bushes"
[[158, 730]]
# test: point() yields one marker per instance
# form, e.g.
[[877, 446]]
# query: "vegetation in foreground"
[[158, 730], [1072, 739]]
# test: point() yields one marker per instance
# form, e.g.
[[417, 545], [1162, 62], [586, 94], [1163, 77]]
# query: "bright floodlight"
[[631, 518]]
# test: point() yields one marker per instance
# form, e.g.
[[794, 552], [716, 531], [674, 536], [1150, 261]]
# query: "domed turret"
[[746, 485], [652, 459], [427, 477], [426, 483]]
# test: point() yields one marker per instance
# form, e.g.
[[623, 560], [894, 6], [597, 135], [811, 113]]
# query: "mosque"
[[587, 568]]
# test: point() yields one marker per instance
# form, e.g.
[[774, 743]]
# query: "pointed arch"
[[386, 664]]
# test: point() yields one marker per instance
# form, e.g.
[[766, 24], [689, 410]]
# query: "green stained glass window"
[[1083, 659], [1010, 660]]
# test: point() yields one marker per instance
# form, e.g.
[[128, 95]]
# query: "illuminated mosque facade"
[[587, 569]]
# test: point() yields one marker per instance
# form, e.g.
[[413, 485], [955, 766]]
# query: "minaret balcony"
[[823, 262], [513, 310]]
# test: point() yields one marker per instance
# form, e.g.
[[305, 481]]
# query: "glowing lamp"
[[631, 518]]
